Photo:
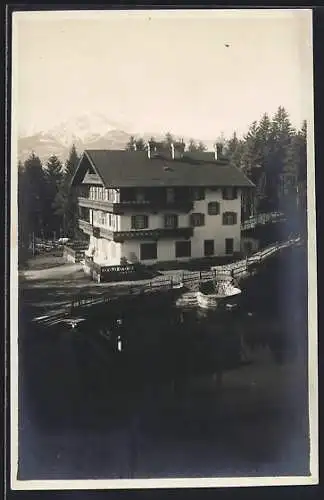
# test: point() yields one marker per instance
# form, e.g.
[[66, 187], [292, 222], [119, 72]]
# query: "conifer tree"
[[140, 144], [201, 147], [192, 146], [53, 177], [65, 203], [130, 146], [33, 195]]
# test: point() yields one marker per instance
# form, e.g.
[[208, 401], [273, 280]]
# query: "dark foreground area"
[[188, 395]]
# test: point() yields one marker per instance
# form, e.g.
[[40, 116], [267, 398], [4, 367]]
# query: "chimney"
[[172, 151], [177, 149], [218, 150]]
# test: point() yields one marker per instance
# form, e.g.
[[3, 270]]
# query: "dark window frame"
[[193, 218], [209, 254], [232, 246], [170, 195], [182, 254], [226, 216], [175, 218], [145, 247], [134, 224], [213, 203], [198, 194], [234, 193]]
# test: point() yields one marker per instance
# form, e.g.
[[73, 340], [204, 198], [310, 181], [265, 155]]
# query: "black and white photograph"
[[163, 295]]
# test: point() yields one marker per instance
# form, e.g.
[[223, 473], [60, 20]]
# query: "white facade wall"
[[109, 253], [165, 250], [106, 252], [212, 230]]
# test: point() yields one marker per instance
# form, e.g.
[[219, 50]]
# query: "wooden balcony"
[[107, 206], [126, 206], [148, 234], [153, 234], [85, 226]]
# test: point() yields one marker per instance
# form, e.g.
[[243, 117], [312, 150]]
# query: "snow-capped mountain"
[[93, 131], [85, 131]]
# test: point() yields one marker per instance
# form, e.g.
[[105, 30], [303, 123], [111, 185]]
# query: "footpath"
[[55, 287]]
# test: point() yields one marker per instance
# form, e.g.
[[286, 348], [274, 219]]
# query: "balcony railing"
[[153, 234], [121, 236], [85, 226], [108, 206], [119, 208]]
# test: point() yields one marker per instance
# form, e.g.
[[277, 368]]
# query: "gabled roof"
[[136, 169]]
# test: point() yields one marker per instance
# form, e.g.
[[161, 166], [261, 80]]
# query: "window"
[[139, 221], [213, 208], [229, 246], [229, 193], [103, 219], [171, 221], [148, 251], [183, 249], [197, 220], [140, 196], [170, 195], [229, 218], [110, 222], [209, 248], [198, 194]]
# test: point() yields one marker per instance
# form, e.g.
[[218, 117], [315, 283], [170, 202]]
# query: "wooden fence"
[[262, 219], [190, 280]]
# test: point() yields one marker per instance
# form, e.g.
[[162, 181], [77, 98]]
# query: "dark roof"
[[135, 168]]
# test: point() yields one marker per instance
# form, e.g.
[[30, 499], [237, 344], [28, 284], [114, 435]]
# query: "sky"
[[160, 71]]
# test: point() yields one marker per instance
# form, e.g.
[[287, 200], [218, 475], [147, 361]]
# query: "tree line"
[[47, 207], [272, 154]]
